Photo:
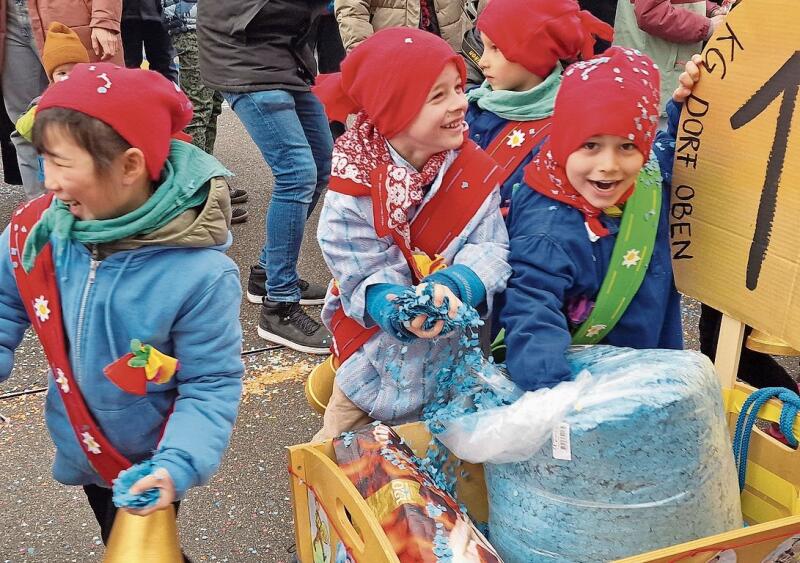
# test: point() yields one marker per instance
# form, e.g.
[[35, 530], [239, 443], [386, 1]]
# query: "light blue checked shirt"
[[389, 380]]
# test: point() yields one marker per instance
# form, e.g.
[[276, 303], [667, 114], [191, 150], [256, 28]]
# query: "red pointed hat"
[[539, 33], [389, 76], [142, 106]]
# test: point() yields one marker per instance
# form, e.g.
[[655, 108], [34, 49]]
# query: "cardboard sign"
[[735, 211]]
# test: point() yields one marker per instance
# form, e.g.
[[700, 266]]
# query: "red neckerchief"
[[361, 156], [549, 178]]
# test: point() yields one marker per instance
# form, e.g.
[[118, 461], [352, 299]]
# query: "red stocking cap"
[[539, 33], [388, 76], [616, 93], [142, 106]]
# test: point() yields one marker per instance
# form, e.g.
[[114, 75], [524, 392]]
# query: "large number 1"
[[785, 81]]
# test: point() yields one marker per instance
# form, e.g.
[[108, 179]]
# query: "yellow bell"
[[152, 538], [761, 342], [319, 384]]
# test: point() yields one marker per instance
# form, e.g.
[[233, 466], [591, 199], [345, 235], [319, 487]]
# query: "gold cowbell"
[[146, 539]]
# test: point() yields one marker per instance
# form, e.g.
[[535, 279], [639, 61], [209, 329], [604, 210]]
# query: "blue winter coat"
[[554, 263], [484, 126], [182, 301]]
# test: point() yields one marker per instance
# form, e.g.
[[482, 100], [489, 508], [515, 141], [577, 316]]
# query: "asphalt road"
[[244, 514]]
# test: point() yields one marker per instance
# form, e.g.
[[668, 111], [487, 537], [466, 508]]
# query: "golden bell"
[[151, 539], [319, 384], [761, 342]]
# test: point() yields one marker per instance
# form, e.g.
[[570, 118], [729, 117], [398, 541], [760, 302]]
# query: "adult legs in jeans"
[[291, 131], [23, 80]]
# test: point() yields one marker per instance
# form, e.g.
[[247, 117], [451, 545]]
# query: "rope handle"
[[749, 415]]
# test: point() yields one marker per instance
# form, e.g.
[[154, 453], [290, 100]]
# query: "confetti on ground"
[[258, 383]]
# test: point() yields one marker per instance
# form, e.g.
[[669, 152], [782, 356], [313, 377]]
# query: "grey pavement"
[[244, 514]]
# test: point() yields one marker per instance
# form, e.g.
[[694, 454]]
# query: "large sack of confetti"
[[637, 457]]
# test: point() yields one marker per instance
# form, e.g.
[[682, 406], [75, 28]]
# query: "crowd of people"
[[506, 196]]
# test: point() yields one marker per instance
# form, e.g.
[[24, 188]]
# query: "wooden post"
[[729, 349]]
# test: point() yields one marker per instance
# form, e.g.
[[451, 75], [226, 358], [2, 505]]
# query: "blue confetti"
[[122, 496]]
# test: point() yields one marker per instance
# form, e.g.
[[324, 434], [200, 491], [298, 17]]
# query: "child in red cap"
[[410, 203], [588, 227], [523, 44], [120, 269]]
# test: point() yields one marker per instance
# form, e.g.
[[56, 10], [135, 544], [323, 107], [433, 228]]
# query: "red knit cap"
[[539, 33], [142, 106], [389, 76], [616, 93]]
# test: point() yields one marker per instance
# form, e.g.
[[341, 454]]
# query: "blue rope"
[[749, 415]]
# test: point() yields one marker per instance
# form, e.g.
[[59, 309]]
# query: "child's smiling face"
[[71, 174], [503, 74], [440, 125], [603, 168]]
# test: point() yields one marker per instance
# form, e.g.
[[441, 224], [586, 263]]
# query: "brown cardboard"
[[725, 141]]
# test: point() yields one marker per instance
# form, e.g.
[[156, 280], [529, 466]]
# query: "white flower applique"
[[631, 258], [594, 330], [516, 138], [41, 308], [62, 380], [90, 442]]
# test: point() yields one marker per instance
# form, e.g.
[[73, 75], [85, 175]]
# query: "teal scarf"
[[530, 105], [184, 185]]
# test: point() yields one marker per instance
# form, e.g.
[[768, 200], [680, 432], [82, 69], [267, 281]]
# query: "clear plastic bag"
[[645, 459]]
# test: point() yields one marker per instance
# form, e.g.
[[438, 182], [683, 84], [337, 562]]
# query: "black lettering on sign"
[[714, 56], [683, 230], [784, 82]]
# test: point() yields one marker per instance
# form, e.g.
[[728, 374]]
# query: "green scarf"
[[532, 104], [184, 186]]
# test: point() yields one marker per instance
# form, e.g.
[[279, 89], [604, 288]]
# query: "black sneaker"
[[310, 293], [238, 195], [238, 215], [288, 324]]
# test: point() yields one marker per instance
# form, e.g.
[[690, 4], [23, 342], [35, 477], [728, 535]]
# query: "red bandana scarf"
[[362, 156], [549, 178]]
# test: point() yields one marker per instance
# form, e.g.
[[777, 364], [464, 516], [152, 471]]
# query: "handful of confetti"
[[412, 303], [122, 486]]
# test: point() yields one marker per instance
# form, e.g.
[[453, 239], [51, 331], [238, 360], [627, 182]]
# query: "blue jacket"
[[555, 263], [184, 302], [484, 126], [179, 16]]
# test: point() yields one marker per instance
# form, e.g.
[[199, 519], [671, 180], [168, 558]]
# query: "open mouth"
[[456, 125], [604, 186]]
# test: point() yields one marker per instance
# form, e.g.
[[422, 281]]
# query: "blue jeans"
[[292, 133]]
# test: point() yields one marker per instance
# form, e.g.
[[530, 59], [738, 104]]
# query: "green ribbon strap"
[[629, 259]]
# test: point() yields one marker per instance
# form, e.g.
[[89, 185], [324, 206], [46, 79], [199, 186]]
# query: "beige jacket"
[[358, 19]]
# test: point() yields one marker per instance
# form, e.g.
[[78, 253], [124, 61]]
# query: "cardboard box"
[[736, 188]]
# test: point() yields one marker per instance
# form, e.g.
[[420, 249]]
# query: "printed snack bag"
[[423, 523]]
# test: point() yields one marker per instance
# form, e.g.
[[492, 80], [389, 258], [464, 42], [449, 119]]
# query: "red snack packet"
[[424, 523]]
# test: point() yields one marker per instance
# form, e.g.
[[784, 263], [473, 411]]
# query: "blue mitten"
[[381, 309], [462, 281]]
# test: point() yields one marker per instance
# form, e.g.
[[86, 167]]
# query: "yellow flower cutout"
[[594, 330], [41, 308], [631, 258], [516, 138]]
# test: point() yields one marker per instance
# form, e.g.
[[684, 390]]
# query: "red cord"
[[737, 546]]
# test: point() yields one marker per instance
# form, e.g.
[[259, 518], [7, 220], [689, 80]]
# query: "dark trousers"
[[105, 511], [755, 368], [153, 36], [325, 39]]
